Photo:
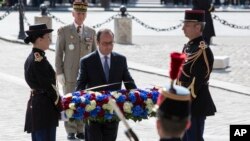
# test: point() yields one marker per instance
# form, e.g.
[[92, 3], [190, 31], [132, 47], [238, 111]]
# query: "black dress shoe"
[[80, 136], [71, 136]]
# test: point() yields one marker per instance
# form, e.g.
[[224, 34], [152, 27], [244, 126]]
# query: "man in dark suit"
[[103, 67], [196, 72], [208, 7]]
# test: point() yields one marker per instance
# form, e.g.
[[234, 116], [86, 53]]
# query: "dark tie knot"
[[78, 29]]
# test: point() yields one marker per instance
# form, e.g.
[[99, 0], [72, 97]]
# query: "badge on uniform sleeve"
[[38, 57], [71, 47]]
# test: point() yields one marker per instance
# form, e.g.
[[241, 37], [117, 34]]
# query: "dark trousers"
[[106, 131], [48, 134], [195, 132]]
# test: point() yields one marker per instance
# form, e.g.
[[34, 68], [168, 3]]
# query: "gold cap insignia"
[[80, 6]]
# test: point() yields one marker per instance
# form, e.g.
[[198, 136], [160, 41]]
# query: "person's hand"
[[61, 79]]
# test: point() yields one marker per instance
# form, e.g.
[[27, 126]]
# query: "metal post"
[[21, 34], [44, 8], [123, 10]]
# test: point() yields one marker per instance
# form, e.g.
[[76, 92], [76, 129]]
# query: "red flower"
[[101, 113], [149, 95]]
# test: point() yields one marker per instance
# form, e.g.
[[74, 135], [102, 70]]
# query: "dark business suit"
[[91, 74], [205, 5], [172, 139]]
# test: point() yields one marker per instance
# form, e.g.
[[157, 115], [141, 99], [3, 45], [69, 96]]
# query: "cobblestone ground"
[[154, 51], [232, 108]]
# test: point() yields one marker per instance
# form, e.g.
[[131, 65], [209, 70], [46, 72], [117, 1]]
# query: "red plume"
[[176, 63]]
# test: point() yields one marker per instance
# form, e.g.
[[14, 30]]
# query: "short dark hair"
[[105, 30], [174, 128]]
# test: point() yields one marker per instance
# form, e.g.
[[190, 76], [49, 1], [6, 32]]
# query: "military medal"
[[71, 47]]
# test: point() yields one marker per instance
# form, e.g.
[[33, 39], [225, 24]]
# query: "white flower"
[[115, 94], [69, 113], [82, 99], [91, 106], [108, 106], [150, 108], [149, 102], [72, 106], [127, 107], [149, 105]]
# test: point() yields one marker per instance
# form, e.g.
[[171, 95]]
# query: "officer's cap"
[[194, 16], [174, 105], [80, 7], [38, 29]]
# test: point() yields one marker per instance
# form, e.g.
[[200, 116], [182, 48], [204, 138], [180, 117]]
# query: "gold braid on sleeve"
[[191, 88]]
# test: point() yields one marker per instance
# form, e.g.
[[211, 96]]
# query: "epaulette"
[[38, 57], [59, 30], [202, 45]]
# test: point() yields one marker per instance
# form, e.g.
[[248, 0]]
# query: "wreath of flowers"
[[136, 104]]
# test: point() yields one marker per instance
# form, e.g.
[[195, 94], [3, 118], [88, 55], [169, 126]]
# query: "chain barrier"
[[25, 19], [9, 10], [154, 28], [108, 20], [55, 18], [224, 22], [128, 15]]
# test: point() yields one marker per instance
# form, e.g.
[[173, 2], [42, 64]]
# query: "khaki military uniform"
[[70, 47]]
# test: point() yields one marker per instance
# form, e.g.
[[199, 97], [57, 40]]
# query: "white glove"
[[61, 79]]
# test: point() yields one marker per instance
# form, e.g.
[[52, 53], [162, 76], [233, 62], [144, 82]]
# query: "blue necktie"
[[106, 68]]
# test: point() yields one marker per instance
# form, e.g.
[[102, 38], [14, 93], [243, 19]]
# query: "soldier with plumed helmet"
[[173, 105]]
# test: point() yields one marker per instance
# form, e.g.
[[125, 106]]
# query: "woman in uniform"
[[43, 107]]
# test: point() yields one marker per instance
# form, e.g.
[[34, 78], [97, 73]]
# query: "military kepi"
[[80, 7], [38, 29], [194, 16], [174, 101]]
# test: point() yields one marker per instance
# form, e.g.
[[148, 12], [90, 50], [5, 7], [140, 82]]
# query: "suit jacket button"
[[30, 107]]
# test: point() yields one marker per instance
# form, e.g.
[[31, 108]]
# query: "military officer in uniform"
[[74, 41], [196, 72], [42, 111]]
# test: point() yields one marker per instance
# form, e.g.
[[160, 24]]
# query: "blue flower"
[[77, 93], [108, 116], [87, 98], [132, 97], [143, 95], [155, 95], [94, 112], [76, 99], [100, 97], [137, 111], [121, 99], [79, 113]]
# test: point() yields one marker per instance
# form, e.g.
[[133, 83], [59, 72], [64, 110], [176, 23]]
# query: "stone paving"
[[154, 51], [232, 108]]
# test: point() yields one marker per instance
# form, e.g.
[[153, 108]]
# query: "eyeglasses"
[[107, 43]]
